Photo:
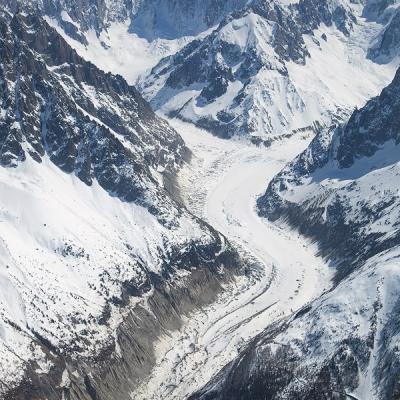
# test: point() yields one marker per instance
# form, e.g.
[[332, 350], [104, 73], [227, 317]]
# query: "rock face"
[[259, 73], [91, 124], [385, 47], [176, 18], [87, 14], [345, 214], [97, 256], [151, 19], [343, 192], [128, 37]]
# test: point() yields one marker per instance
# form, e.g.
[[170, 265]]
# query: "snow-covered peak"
[[272, 70], [90, 226], [243, 32], [151, 19]]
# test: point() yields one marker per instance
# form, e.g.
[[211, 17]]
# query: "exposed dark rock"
[[56, 106], [116, 373], [362, 136], [174, 18], [89, 123], [387, 46], [210, 66]]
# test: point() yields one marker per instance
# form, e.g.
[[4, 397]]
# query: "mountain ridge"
[[95, 245], [249, 75], [99, 257]]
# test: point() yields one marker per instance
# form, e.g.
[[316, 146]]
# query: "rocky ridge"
[[261, 73], [98, 257]]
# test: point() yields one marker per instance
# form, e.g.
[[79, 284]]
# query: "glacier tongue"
[[102, 269], [221, 185], [343, 192]]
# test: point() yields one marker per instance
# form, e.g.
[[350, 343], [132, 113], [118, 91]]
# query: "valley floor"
[[221, 185]]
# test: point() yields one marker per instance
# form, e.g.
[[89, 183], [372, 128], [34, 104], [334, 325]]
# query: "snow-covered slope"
[[343, 191], [343, 346], [99, 258], [386, 45], [150, 19], [120, 50], [129, 38], [170, 19], [90, 123], [343, 187], [96, 255], [257, 57], [273, 69]]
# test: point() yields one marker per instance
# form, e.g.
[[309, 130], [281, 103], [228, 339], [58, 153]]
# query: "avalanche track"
[[221, 185]]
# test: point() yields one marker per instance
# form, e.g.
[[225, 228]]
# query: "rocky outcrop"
[[78, 16], [223, 66], [245, 79], [174, 18], [386, 48], [331, 213], [89, 123], [151, 19], [97, 256]]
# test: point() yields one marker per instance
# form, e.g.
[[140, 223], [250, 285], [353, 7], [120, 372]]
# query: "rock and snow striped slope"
[[96, 255]]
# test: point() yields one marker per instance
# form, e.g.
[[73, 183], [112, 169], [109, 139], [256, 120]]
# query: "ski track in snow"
[[221, 185]]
